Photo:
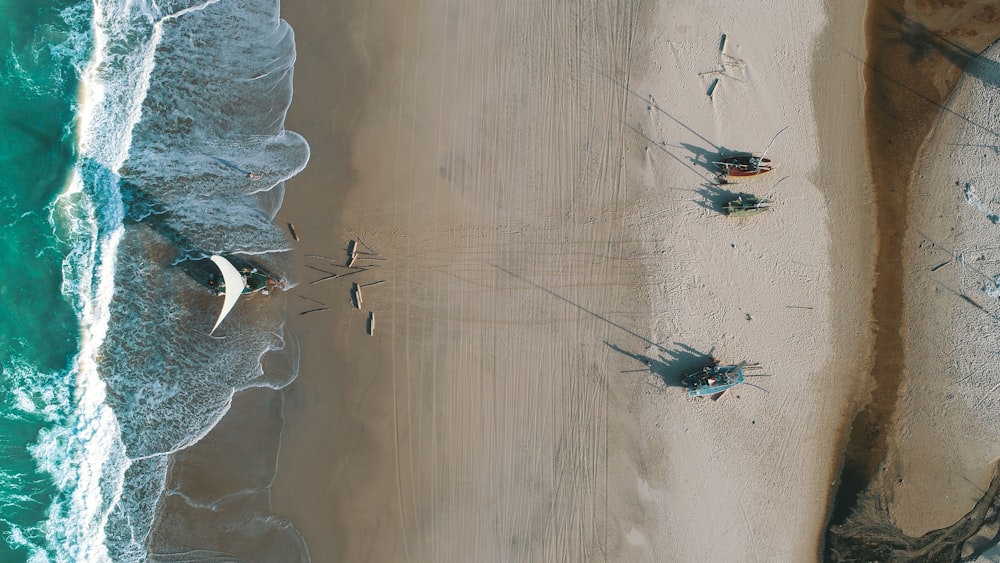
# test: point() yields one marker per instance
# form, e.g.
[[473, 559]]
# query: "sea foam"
[[180, 102]]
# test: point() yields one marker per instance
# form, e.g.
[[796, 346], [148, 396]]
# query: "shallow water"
[[140, 139]]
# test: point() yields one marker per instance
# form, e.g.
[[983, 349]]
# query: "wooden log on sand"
[[711, 89], [311, 267], [972, 302], [352, 247], [335, 262], [291, 229], [356, 297], [311, 300], [314, 310], [371, 323]]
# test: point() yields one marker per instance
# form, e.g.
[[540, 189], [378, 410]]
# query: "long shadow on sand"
[[706, 158], [716, 196], [670, 367], [924, 42]]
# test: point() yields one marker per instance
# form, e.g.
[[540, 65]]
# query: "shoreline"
[[902, 89]]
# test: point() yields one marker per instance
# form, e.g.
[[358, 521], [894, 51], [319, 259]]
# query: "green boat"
[[746, 205]]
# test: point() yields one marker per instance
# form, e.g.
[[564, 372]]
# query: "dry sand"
[[537, 178]]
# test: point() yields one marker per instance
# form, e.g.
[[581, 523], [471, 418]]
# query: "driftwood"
[[314, 310], [291, 229], [335, 276], [310, 299], [322, 270], [334, 262], [356, 290], [371, 323]]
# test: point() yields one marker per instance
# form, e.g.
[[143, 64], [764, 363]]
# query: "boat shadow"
[[143, 210], [706, 158], [714, 197], [924, 42], [670, 367]]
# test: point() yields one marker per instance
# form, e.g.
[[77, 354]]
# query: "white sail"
[[234, 287]]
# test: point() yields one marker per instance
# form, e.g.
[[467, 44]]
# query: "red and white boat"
[[743, 165], [746, 164]]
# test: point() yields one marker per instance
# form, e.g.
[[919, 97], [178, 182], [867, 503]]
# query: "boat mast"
[[760, 159]]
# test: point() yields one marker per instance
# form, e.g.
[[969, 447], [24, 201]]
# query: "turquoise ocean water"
[[129, 132]]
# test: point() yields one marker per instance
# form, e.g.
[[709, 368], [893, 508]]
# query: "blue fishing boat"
[[713, 379]]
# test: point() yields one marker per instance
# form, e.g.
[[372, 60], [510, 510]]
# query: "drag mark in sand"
[[582, 308]]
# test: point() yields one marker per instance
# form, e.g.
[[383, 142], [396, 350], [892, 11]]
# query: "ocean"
[[139, 139]]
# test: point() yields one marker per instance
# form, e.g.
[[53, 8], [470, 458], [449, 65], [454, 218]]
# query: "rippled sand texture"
[[536, 182]]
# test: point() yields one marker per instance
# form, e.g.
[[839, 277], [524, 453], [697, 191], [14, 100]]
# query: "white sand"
[[542, 224], [949, 423], [756, 467]]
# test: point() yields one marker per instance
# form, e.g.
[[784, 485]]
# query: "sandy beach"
[[535, 184]]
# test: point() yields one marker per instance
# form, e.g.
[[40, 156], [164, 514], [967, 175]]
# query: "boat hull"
[[743, 165], [713, 380], [747, 206]]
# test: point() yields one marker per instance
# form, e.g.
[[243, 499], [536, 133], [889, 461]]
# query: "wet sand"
[[893, 468], [478, 418]]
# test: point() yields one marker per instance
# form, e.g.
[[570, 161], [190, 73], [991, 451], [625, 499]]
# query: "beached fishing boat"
[[746, 164], [713, 379], [743, 165], [746, 205], [239, 281]]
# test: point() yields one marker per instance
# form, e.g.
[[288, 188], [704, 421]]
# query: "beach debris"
[[357, 250], [993, 291], [314, 310], [336, 262], [291, 229], [311, 300], [972, 301], [711, 89], [973, 200], [721, 70], [336, 276], [318, 269], [941, 265], [356, 295]]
